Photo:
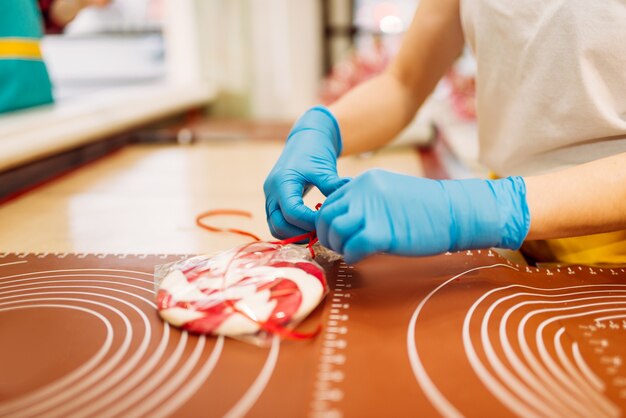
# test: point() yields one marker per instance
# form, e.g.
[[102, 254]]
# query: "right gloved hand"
[[308, 159], [381, 211]]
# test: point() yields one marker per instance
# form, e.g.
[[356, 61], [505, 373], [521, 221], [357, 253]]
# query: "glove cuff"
[[510, 196], [319, 118], [487, 213]]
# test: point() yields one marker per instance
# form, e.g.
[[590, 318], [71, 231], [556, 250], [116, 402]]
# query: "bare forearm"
[[372, 114], [587, 199]]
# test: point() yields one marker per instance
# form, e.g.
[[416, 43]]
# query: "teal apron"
[[24, 80]]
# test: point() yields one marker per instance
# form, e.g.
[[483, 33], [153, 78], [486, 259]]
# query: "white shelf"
[[35, 133]]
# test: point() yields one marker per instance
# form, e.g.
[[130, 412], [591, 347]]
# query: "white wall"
[[286, 57], [267, 52], [181, 35]]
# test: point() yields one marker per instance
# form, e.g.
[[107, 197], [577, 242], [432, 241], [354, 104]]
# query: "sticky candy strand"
[[235, 212], [311, 237], [267, 326]]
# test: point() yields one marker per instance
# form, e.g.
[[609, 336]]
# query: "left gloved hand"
[[308, 159], [381, 211]]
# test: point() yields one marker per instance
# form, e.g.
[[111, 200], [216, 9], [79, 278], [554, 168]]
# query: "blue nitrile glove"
[[381, 211], [309, 158]]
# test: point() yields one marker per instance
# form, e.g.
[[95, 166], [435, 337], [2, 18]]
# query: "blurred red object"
[[356, 68], [360, 66], [70, 9], [462, 93], [50, 26]]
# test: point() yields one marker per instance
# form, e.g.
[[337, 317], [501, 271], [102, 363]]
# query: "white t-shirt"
[[551, 86]]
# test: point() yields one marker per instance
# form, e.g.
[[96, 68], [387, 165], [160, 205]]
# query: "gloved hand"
[[309, 158], [381, 211]]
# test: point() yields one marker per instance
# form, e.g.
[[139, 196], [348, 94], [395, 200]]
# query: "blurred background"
[[120, 65], [267, 58]]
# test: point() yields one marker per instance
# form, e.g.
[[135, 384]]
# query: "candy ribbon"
[[310, 236], [235, 212]]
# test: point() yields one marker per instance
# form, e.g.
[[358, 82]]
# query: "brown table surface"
[[460, 334]]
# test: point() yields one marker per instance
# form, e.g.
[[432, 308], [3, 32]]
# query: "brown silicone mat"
[[460, 334]]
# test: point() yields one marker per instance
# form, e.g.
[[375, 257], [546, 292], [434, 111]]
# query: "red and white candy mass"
[[260, 286]]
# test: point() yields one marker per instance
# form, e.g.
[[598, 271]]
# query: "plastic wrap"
[[250, 292]]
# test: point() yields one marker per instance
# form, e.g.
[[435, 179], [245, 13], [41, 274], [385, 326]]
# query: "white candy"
[[187, 299]]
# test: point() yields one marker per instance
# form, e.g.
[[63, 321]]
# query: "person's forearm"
[[372, 114], [582, 200]]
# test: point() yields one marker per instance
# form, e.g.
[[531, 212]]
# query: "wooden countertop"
[[144, 198]]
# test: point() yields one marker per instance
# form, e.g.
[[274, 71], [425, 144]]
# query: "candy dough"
[[234, 293]]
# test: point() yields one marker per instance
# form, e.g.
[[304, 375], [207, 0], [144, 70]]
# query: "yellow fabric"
[[20, 48], [608, 248]]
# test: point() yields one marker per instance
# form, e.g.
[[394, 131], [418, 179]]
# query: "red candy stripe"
[[283, 290]]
